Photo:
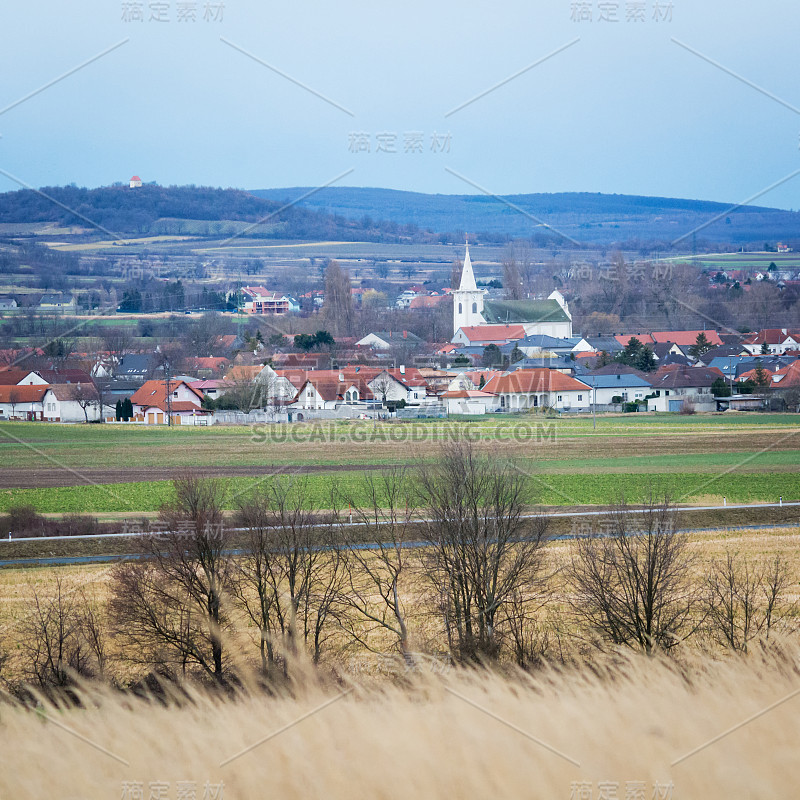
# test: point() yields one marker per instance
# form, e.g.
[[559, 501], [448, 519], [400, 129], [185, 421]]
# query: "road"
[[67, 560]]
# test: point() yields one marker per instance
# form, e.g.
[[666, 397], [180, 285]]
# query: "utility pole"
[[168, 397]]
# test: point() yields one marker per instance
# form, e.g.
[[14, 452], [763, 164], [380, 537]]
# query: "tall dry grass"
[[458, 735]]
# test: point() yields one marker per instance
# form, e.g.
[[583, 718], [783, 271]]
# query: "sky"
[[674, 99]]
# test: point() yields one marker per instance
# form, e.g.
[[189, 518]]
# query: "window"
[[580, 398], [460, 308], [502, 401], [559, 398], [474, 308]]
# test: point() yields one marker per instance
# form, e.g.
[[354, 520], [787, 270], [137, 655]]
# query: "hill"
[[586, 217], [156, 209]]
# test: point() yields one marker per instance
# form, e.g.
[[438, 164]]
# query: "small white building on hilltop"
[[136, 182]]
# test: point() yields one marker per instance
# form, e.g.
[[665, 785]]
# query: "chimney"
[[341, 377], [402, 369], [405, 334]]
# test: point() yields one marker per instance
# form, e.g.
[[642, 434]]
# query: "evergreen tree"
[[701, 345], [118, 410]]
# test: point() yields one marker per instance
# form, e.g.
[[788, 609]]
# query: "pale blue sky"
[[622, 110]]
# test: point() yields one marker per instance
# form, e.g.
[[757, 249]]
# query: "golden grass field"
[[664, 729]]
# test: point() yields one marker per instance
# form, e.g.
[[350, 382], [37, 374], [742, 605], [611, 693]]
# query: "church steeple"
[[467, 299], [467, 275]]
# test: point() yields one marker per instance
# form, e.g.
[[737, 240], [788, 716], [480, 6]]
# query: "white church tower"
[[467, 299]]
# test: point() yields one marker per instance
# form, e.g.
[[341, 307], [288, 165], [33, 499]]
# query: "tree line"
[[457, 568]]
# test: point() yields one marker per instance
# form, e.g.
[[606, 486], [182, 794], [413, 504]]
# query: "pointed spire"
[[467, 276]]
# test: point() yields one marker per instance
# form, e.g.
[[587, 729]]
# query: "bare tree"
[[289, 580], [744, 598], [381, 385], [14, 399], [85, 395], [481, 551], [632, 585], [338, 308], [61, 638], [512, 278], [374, 576], [170, 604], [117, 342]]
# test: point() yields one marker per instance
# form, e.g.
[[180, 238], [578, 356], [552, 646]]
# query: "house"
[[305, 361], [7, 303], [429, 301], [136, 366], [685, 338], [13, 376], [207, 366], [59, 303], [484, 335], [151, 403], [472, 402], [607, 344], [610, 390], [386, 340], [538, 343], [22, 402], [229, 342], [258, 300], [777, 340], [71, 402], [788, 377], [328, 393], [471, 309], [672, 385], [136, 182], [211, 387], [540, 388]]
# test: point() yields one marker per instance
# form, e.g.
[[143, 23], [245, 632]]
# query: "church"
[[473, 317]]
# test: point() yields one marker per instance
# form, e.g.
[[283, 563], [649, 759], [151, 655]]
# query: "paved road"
[[67, 560]]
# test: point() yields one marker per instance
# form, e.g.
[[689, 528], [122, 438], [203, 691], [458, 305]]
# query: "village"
[[504, 356]]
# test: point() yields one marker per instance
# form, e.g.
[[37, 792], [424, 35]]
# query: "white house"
[[470, 402], [135, 182], [65, 402], [540, 388], [258, 300]]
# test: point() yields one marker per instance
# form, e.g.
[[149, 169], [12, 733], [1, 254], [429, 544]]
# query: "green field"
[[745, 458], [547, 489]]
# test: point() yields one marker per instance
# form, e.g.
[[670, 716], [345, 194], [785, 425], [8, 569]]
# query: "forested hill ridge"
[[151, 209], [583, 216], [389, 216]]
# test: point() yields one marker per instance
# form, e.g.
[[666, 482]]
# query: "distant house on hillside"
[[385, 340], [7, 303], [136, 182], [258, 300], [61, 303]]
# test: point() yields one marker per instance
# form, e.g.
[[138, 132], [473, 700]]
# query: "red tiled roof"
[[685, 338], [528, 381], [771, 336], [12, 376], [154, 394], [493, 333], [788, 376], [22, 394]]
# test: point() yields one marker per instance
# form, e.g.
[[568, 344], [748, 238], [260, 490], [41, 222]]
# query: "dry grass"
[[424, 737]]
